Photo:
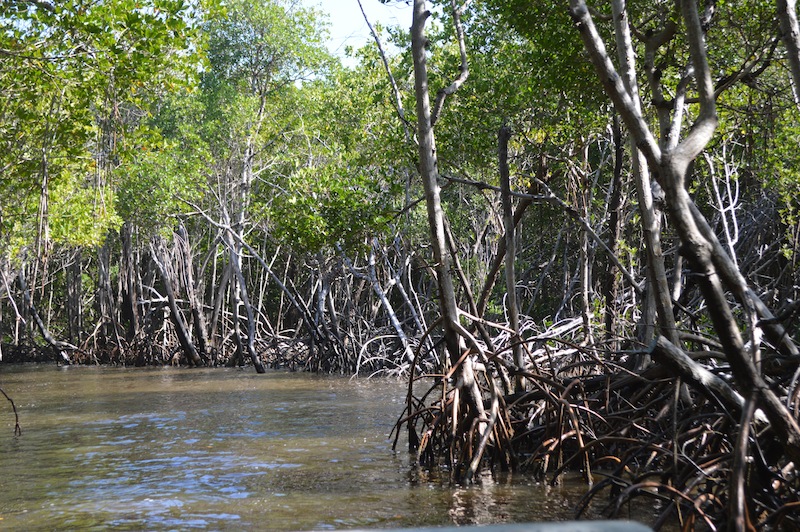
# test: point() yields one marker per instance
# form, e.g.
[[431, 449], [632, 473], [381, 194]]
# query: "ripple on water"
[[178, 450]]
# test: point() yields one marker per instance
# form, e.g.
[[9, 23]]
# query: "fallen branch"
[[668, 354], [59, 346], [17, 429]]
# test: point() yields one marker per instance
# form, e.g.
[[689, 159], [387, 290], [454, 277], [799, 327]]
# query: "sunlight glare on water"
[[161, 449]]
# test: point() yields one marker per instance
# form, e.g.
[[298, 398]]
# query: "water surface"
[[227, 449]]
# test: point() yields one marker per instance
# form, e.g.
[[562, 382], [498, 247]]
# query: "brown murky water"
[[226, 449]]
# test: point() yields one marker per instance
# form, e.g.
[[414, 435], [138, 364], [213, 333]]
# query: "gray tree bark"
[[192, 292], [74, 298], [429, 172], [181, 329], [130, 290], [62, 349], [700, 245], [790, 31], [510, 256], [658, 292]]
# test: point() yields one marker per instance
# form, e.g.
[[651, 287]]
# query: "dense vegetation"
[[201, 183]]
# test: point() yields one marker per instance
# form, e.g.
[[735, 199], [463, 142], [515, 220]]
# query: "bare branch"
[[463, 70], [17, 429], [706, 123], [613, 83], [673, 357], [398, 101]]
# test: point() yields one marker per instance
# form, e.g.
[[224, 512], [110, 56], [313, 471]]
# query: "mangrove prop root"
[[581, 411]]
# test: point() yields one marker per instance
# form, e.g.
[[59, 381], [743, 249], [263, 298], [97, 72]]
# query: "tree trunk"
[[583, 196], [511, 284], [240, 297], [428, 168], [372, 276], [130, 290], [610, 281], [61, 348], [235, 302], [398, 276], [429, 172], [790, 31], [181, 329], [192, 293], [105, 299], [219, 302], [74, 298], [657, 295], [699, 245], [494, 268]]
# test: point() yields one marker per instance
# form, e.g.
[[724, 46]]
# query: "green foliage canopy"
[[75, 75]]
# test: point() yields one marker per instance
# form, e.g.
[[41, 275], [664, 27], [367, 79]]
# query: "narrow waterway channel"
[[159, 449]]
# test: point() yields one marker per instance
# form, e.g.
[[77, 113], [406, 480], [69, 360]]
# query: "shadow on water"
[[159, 449]]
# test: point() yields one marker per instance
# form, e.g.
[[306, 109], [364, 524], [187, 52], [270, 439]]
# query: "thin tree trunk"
[[658, 295], [583, 196], [790, 31], [104, 293], [429, 173], [238, 357], [192, 293], [219, 301], [130, 290], [610, 283], [510, 256], [701, 249], [61, 348], [325, 302], [372, 276], [240, 296], [524, 203], [399, 281], [181, 329], [74, 298]]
